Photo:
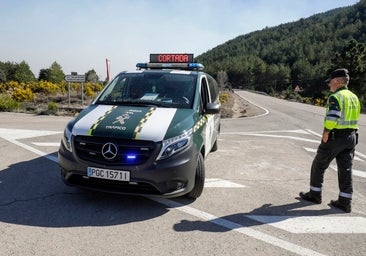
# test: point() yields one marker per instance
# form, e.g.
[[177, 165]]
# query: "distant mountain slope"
[[296, 53]]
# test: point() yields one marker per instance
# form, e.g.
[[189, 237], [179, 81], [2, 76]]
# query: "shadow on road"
[[270, 212], [32, 193]]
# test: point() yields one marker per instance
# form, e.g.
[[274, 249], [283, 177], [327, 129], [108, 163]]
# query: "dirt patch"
[[241, 108]]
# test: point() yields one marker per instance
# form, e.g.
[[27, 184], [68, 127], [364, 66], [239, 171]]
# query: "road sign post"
[[76, 79]]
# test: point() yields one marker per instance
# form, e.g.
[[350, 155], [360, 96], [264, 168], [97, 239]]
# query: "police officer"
[[338, 141]]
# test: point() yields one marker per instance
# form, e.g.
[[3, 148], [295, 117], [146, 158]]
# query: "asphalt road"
[[249, 206]]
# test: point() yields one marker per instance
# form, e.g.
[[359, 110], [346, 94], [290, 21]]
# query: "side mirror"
[[212, 108]]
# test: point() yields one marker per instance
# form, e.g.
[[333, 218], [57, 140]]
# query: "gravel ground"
[[243, 108]]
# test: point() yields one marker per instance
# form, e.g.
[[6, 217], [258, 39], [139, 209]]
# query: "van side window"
[[214, 89], [205, 97]]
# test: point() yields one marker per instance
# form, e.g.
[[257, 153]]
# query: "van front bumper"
[[170, 177]]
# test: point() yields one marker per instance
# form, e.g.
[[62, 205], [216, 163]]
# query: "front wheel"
[[199, 180]]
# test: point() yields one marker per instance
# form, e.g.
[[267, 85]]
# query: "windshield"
[[166, 89]]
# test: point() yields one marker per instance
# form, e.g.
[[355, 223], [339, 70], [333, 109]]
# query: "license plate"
[[108, 174]]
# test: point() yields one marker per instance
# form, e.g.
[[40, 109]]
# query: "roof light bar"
[[183, 66], [183, 61], [197, 66]]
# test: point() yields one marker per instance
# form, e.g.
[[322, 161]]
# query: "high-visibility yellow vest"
[[348, 114]]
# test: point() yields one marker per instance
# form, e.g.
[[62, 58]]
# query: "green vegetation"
[[276, 60], [20, 90], [52, 108], [7, 103]]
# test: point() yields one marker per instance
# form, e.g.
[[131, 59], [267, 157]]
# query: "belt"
[[342, 132]]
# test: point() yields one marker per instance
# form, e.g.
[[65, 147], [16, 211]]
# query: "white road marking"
[[46, 144], [313, 133], [219, 183], [312, 150], [16, 134], [236, 227], [12, 135], [299, 131], [360, 154], [270, 135], [315, 224], [35, 151]]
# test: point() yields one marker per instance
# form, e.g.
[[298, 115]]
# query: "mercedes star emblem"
[[109, 151]]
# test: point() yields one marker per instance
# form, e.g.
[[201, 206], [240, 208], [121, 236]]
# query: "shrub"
[[9, 86], [89, 90], [7, 103], [224, 97], [227, 102], [45, 87], [319, 102], [52, 108], [23, 95], [2, 88], [98, 87]]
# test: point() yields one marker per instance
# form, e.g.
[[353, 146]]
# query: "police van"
[[147, 133]]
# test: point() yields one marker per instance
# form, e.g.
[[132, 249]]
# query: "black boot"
[[344, 206], [311, 197]]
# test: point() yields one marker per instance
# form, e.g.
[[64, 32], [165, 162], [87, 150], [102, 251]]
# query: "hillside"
[[297, 53]]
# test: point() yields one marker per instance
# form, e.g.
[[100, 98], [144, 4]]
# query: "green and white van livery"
[[147, 133]]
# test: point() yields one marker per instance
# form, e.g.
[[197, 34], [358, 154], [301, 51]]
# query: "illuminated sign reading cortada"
[[171, 58]]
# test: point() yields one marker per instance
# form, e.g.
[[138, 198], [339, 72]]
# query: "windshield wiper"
[[135, 103]]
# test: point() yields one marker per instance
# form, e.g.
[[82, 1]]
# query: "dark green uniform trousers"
[[340, 146]]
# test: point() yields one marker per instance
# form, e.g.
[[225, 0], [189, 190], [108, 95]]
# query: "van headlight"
[[176, 144], [66, 139]]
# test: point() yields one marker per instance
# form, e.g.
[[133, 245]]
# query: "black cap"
[[341, 72]]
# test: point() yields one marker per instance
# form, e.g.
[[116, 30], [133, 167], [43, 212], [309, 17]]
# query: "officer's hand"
[[325, 136]]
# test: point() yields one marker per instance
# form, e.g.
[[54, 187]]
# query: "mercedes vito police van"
[[148, 132]]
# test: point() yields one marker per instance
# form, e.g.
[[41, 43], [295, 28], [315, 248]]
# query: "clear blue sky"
[[80, 34]]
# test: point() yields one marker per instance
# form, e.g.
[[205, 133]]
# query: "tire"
[[199, 180]]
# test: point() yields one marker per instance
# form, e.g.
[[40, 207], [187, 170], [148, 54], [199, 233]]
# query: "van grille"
[[129, 152]]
